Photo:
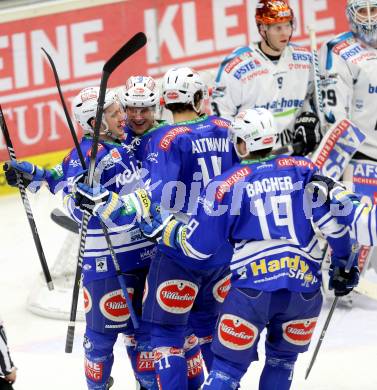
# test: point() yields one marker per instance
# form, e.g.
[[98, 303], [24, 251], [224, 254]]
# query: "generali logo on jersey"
[[236, 333], [176, 296], [228, 183], [171, 135], [113, 305]]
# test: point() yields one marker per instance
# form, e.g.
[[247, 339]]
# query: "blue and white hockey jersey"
[[180, 160], [263, 209], [116, 170]]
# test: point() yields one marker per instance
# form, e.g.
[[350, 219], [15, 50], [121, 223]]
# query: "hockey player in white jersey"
[[349, 66], [273, 74]]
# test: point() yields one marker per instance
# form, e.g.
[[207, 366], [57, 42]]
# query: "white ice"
[[347, 359]]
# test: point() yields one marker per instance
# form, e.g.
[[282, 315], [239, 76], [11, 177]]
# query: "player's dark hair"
[[262, 153], [182, 107]]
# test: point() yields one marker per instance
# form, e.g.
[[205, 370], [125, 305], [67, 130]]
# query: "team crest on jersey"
[[228, 183], [176, 296], [236, 333], [113, 305], [115, 155], [221, 123], [299, 332], [101, 264], [87, 300], [221, 288], [171, 135], [93, 370]]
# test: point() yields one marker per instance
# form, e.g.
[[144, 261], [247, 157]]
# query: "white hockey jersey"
[[349, 68], [247, 78]]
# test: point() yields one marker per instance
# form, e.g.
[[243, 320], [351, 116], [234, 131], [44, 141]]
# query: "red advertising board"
[[195, 33]]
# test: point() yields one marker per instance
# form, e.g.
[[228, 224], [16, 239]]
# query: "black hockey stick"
[[351, 259], [132, 46], [26, 203], [64, 221]]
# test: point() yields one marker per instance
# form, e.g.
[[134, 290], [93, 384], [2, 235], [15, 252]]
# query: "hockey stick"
[[64, 221], [128, 49], [323, 117], [26, 203], [350, 261]]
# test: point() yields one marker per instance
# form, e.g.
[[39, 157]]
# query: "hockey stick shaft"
[[348, 267], [317, 76], [27, 207], [128, 49]]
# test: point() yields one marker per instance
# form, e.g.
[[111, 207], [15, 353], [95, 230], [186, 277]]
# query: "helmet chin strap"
[[107, 132]]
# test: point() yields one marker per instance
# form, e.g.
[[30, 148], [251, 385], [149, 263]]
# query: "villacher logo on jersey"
[[299, 332], [113, 305]]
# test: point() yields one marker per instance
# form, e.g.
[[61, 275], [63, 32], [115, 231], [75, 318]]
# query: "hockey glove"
[[307, 134], [14, 170], [153, 226], [343, 282]]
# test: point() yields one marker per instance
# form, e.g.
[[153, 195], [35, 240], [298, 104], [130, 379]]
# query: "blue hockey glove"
[[153, 225], [14, 170], [341, 280]]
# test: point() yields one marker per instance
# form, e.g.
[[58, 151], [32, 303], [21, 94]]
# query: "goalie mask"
[[362, 17], [85, 108], [256, 128], [183, 85]]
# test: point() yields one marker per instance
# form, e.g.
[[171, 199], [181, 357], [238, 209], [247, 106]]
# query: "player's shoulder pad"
[[335, 45], [227, 180], [234, 58]]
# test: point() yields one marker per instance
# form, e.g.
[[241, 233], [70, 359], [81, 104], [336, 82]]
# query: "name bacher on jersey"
[[269, 252]]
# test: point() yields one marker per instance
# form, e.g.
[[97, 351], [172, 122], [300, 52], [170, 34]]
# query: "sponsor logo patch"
[[115, 155], [113, 305], [172, 95], [221, 288], [145, 361], [93, 370], [171, 135], [236, 333], [87, 300], [299, 332], [221, 123], [195, 365], [176, 296], [101, 264], [292, 162], [228, 183]]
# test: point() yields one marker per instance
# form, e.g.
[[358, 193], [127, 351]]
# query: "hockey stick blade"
[[64, 221], [27, 206]]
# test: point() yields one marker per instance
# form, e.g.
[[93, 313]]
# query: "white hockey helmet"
[[140, 91], [362, 17], [256, 127], [180, 86], [85, 106]]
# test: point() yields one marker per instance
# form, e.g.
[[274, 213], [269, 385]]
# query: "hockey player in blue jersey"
[[140, 99], [107, 314], [262, 208], [180, 159]]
